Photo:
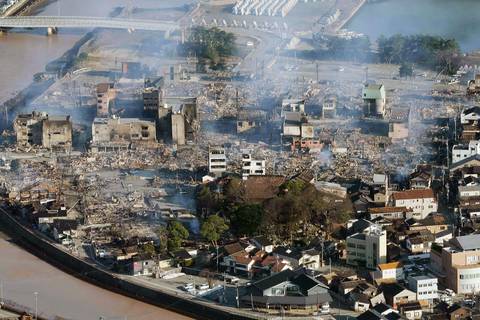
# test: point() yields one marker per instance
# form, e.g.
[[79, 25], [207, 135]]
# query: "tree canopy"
[[212, 228], [429, 51], [177, 233], [210, 43]]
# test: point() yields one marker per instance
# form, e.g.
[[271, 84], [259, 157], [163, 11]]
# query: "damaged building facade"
[[178, 119], [40, 129], [105, 95], [109, 134]]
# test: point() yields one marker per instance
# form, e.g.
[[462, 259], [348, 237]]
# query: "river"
[[60, 294], [454, 19]]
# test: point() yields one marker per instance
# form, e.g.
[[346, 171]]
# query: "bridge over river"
[[54, 22]]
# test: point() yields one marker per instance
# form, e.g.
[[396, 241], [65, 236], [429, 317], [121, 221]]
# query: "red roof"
[[413, 194]]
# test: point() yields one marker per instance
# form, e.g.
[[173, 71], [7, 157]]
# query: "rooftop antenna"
[[366, 75]]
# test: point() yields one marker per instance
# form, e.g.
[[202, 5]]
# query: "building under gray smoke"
[[152, 95], [178, 119], [40, 129], [374, 99], [110, 134], [105, 95]]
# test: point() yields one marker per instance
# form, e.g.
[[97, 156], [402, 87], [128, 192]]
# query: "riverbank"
[[24, 7], [54, 70], [50, 252], [348, 9]]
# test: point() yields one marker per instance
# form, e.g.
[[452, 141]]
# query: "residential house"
[[380, 312], [262, 243], [236, 260], [420, 180], [389, 272], [435, 223], [309, 258], [288, 289], [390, 213], [411, 310], [374, 99], [422, 202], [143, 265], [396, 295], [419, 241]]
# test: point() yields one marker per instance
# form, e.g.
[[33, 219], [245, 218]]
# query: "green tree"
[[149, 249], [406, 70], [162, 234], [246, 219], [212, 228], [177, 233]]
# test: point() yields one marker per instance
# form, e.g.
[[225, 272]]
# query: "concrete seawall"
[[90, 273], [22, 7]]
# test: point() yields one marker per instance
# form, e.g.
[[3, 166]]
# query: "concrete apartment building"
[[217, 161], [105, 94], [463, 151], [40, 129], [422, 202], [368, 247], [152, 95], [458, 263], [110, 134], [426, 287], [252, 167], [374, 99]]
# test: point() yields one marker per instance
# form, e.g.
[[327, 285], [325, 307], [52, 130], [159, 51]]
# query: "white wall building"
[[463, 151], [426, 287], [469, 191], [469, 115], [252, 167], [422, 202], [217, 161], [368, 247]]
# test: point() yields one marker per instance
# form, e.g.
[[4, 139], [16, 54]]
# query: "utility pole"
[[36, 305], [238, 300], [1, 294]]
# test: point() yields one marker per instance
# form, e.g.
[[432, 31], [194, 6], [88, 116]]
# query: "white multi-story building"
[[217, 161], [469, 191], [422, 202], [367, 247], [426, 287], [463, 151], [252, 167], [470, 115]]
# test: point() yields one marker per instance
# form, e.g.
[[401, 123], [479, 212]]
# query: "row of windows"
[[470, 276], [426, 292], [425, 285]]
